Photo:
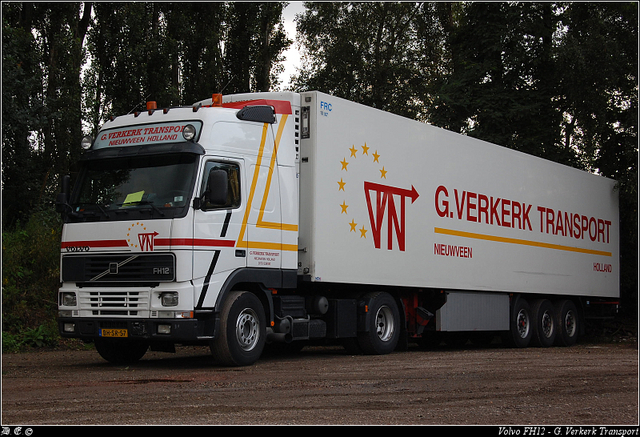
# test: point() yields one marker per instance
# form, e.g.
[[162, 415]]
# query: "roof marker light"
[[151, 106], [216, 100]]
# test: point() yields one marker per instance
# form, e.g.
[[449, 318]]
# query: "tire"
[[568, 323], [544, 323], [520, 332], [383, 331], [121, 351], [242, 334]]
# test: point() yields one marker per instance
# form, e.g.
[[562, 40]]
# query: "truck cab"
[[172, 208]]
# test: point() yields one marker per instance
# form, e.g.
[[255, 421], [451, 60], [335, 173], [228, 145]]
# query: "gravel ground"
[[587, 384]]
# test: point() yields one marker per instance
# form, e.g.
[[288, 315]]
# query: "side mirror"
[[217, 187]]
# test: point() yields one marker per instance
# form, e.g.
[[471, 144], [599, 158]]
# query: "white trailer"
[[288, 218]]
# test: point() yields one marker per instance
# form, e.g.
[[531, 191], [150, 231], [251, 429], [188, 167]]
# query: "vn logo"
[[385, 205], [145, 239]]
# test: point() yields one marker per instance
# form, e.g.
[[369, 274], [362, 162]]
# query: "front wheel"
[[242, 330], [383, 330]]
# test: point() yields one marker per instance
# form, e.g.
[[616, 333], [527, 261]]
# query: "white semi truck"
[[291, 218]]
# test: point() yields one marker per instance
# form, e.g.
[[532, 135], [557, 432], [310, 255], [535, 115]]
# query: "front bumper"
[[152, 330]]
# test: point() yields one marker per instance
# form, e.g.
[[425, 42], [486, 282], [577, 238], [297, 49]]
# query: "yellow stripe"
[[261, 223], [271, 246], [518, 241], [264, 245], [252, 191]]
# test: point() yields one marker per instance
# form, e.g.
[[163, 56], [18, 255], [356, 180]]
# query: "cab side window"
[[220, 186]]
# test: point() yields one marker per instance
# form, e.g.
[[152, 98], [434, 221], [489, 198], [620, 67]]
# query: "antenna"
[[143, 101]]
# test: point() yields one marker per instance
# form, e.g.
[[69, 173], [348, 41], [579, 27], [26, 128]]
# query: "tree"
[[368, 52], [501, 83], [21, 105], [42, 55], [598, 57], [255, 42], [179, 53]]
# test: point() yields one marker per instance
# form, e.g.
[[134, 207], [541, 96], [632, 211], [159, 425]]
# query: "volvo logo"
[[114, 268]]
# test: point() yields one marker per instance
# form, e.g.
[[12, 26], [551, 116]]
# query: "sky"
[[292, 55]]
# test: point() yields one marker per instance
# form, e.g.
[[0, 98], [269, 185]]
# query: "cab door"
[[217, 223]]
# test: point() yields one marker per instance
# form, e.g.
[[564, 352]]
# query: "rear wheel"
[[568, 323], [242, 334], [520, 331], [383, 331], [118, 351], [544, 323]]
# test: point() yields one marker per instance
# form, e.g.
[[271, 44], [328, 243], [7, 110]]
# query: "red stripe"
[[281, 106], [99, 243], [194, 242], [202, 242]]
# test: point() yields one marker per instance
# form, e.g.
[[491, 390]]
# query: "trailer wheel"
[[242, 334], [519, 334], [383, 332], [544, 323], [121, 351], [568, 323]]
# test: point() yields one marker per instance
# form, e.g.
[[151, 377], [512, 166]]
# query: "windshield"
[[156, 185]]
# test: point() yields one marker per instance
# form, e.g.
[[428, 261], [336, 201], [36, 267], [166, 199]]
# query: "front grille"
[[113, 303], [96, 269]]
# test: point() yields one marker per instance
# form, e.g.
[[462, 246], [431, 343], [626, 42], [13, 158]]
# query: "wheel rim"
[[547, 324], [570, 323], [522, 324], [247, 329], [385, 323]]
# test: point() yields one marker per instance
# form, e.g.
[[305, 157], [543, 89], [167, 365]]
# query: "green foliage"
[[376, 53], [41, 336], [179, 53], [30, 275]]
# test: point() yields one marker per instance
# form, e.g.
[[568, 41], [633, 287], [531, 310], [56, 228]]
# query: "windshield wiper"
[[83, 212], [148, 203]]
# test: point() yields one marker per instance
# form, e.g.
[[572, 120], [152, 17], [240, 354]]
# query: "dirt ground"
[[587, 384]]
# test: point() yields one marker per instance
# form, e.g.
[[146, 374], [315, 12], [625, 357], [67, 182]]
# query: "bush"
[[30, 269], [42, 336]]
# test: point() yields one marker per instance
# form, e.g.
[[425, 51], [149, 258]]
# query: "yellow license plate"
[[113, 333]]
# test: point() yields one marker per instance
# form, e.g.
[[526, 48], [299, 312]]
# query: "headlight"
[[169, 299], [189, 132], [86, 142], [68, 299]]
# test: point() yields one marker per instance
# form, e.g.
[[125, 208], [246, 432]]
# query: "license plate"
[[113, 333]]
